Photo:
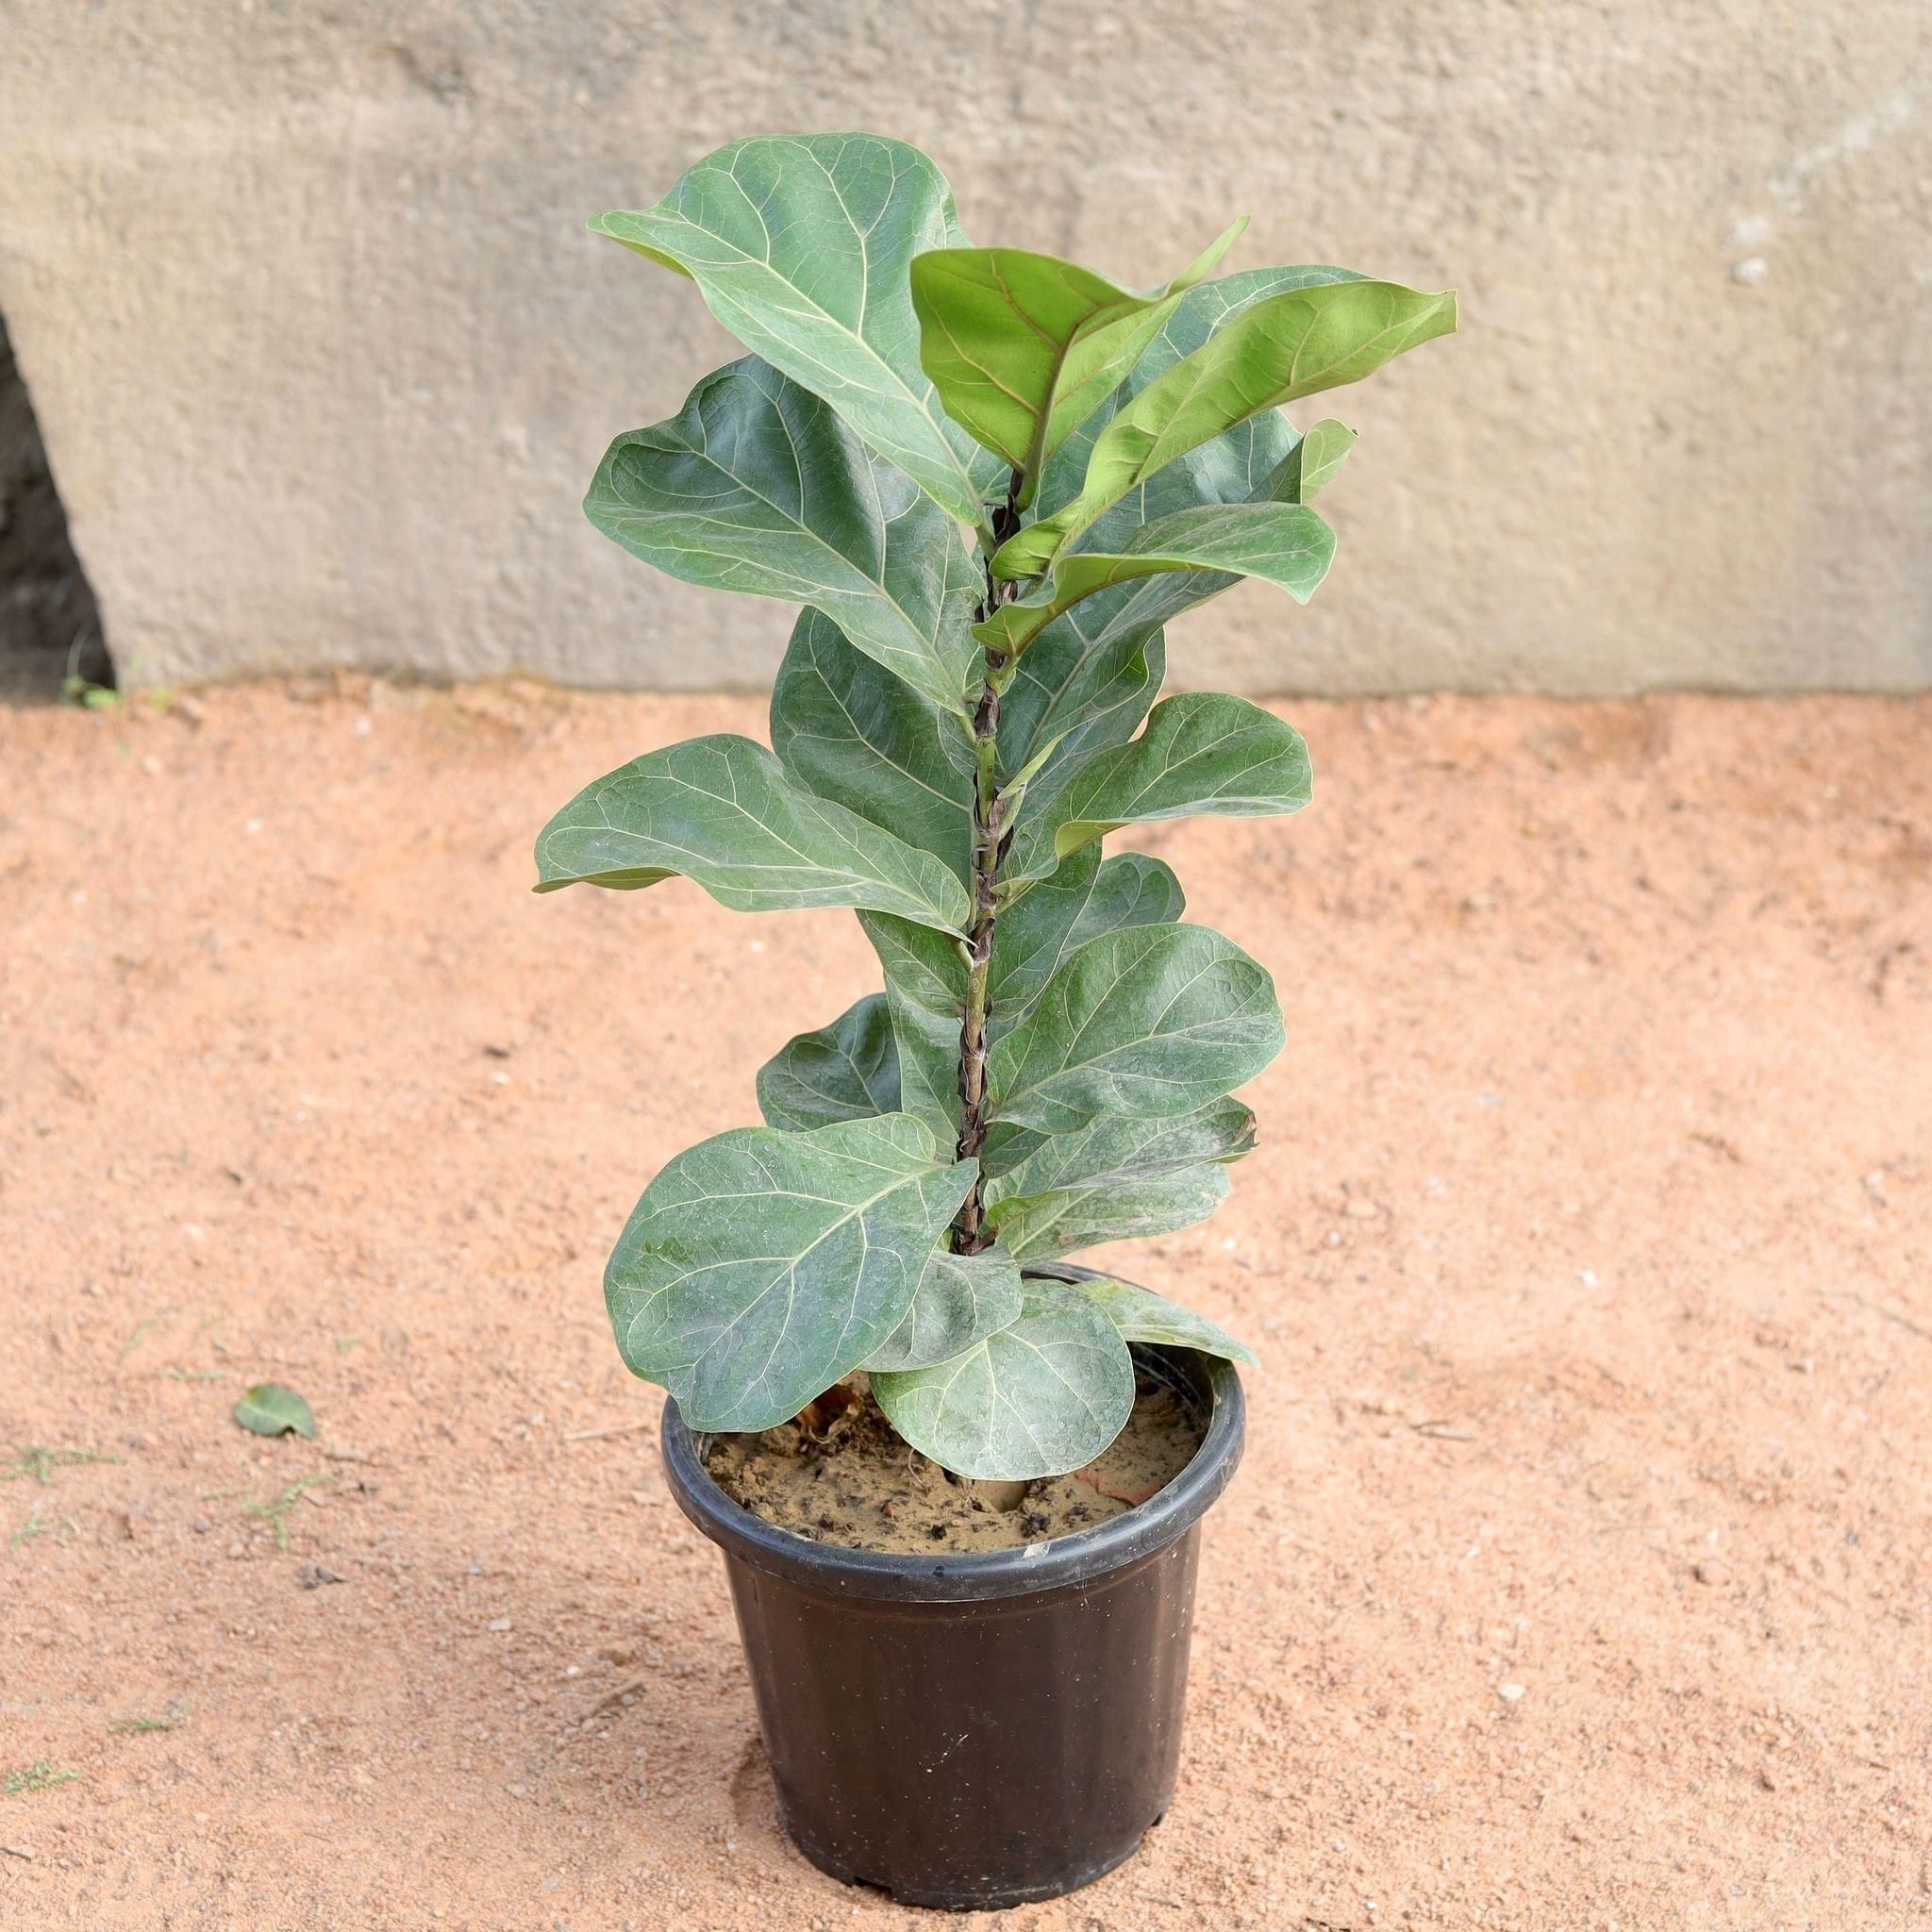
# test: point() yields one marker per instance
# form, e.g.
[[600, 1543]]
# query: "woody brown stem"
[[969, 1234]]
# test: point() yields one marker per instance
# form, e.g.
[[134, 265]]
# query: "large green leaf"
[[960, 1300], [848, 1070], [1281, 347], [721, 811], [1070, 1218], [1201, 752], [1284, 544], [1086, 897], [1148, 1022], [756, 485], [1045, 1394], [1118, 1178], [1083, 686], [849, 730], [926, 974], [761, 1266], [1024, 347], [800, 246], [1142, 1315]]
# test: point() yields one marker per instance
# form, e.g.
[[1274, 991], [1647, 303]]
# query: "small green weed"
[[40, 1462], [275, 1513]]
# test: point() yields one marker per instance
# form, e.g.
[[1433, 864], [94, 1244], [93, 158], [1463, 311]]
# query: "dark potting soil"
[[841, 1475]]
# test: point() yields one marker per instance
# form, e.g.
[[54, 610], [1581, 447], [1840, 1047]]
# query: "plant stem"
[[969, 1234]]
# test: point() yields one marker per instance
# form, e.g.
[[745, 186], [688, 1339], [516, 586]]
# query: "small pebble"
[[499, 1623], [1509, 1693], [235, 1549], [1707, 1571], [201, 1526]]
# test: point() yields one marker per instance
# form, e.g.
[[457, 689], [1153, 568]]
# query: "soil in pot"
[[841, 1474]]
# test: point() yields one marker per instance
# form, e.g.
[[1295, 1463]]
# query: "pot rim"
[[979, 1575]]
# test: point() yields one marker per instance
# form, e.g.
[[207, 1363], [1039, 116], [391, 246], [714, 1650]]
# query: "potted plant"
[[990, 479]]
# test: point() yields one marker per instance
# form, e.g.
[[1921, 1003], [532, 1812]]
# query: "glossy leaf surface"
[[1024, 347], [1280, 348]]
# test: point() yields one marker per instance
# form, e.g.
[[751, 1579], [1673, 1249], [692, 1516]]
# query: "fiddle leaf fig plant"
[[990, 479]]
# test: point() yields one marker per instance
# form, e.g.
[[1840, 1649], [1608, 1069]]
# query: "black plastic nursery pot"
[[975, 1731]]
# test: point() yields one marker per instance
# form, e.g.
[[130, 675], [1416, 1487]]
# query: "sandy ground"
[[1577, 1575]]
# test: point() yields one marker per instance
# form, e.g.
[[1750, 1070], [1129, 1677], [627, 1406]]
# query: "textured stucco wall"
[[325, 357]]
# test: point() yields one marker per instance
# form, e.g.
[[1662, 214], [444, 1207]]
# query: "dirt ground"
[[1577, 1573]]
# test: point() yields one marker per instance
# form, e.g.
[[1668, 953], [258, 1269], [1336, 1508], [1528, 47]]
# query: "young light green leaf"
[[1311, 464], [756, 485], [720, 811], [759, 1267], [269, 1410], [1063, 1223], [1045, 1394], [1091, 673], [1024, 347], [1201, 752], [1283, 543], [848, 1070], [848, 730], [1284, 346], [1148, 1022], [800, 245], [1117, 1178], [960, 1300], [1142, 1315]]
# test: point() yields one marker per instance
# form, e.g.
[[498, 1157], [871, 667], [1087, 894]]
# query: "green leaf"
[[1281, 347], [1024, 347], [925, 976], [1118, 1178], [848, 1070], [1149, 1022], [926, 994], [1045, 1394], [721, 811], [1142, 1315], [759, 1267], [800, 246], [756, 485], [1283, 543], [960, 1300], [1086, 685], [1086, 897], [1068, 1220], [1311, 464], [269, 1410], [1094, 671], [849, 730], [1201, 752]]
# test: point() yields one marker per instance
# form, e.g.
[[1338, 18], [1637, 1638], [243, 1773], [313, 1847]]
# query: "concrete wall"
[[324, 358]]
